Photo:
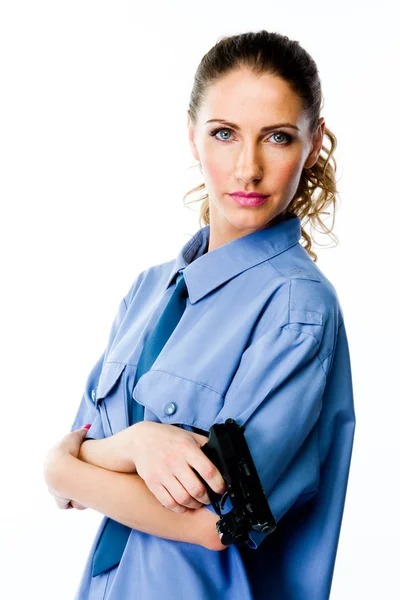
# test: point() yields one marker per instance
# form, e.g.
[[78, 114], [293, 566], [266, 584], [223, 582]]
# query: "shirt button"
[[94, 395], [170, 408]]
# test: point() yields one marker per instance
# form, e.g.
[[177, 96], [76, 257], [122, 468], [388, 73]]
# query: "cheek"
[[287, 173], [216, 172]]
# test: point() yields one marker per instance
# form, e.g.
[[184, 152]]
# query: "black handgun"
[[227, 448]]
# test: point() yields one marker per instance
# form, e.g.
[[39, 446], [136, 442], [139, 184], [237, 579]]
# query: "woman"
[[261, 339]]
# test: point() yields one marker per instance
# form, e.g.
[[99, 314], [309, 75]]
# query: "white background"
[[95, 160]]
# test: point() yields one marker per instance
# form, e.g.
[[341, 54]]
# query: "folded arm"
[[124, 497], [112, 453]]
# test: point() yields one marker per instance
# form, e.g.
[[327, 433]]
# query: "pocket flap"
[[108, 378], [173, 399]]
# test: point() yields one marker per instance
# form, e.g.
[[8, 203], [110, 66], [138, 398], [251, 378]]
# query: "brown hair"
[[273, 53]]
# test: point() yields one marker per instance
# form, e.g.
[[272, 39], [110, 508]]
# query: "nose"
[[249, 167]]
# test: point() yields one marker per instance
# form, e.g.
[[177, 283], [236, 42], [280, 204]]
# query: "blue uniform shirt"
[[263, 341]]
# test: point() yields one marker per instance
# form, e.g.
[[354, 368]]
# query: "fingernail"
[[86, 426]]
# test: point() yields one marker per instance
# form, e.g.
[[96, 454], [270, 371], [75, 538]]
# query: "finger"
[[200, 439], [165, 498], [82, 431], [77, 505], [63, 503], [194, 487], [208, 471], [180, 493]]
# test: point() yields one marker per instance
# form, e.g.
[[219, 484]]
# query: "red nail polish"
[[87, 426]]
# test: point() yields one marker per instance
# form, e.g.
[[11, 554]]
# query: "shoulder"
[[309, 291], [303, 299]]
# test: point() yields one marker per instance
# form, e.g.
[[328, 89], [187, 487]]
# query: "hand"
[[70, 444], [165, 456], [65, 503]]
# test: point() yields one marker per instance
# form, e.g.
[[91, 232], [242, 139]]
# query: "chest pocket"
[[171, 399], [111, 398]]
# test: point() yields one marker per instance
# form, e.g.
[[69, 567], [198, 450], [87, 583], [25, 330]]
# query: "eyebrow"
[[262, 130]]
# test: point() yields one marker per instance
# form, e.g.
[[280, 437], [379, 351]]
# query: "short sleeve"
[[87, 411], [276, 394]]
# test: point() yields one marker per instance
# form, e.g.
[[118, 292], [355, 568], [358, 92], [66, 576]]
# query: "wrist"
[[121, 450], [113, 453], [206, 530]]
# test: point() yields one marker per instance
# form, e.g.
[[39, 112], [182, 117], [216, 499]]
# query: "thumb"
[[83, 430], [199, 438]]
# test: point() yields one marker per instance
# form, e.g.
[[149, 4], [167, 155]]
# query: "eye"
[[288, 137], [215, 131]]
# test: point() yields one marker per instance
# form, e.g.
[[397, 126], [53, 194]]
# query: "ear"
[[317, 142]]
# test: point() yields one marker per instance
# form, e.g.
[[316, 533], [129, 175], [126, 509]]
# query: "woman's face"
[[241, 157]]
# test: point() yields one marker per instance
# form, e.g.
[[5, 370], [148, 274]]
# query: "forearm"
[[124, 497], [110, 453]]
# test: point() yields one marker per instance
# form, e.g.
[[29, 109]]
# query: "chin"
[[249, 222]]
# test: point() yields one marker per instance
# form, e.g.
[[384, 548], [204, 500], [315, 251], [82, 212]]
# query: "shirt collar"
[[204, 271]]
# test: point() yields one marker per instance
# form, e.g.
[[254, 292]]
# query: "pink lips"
[[249, 200]]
